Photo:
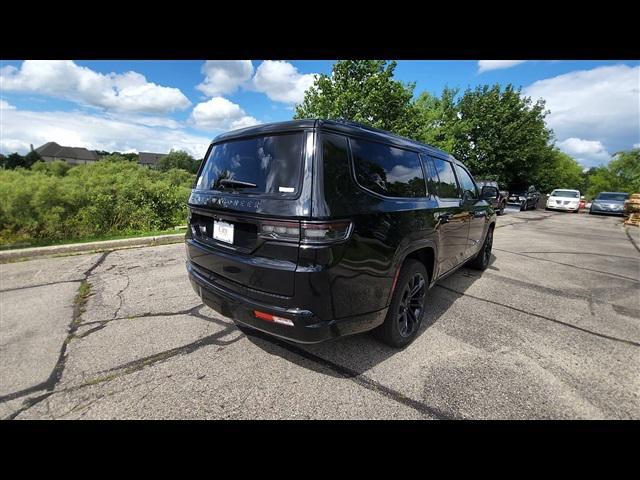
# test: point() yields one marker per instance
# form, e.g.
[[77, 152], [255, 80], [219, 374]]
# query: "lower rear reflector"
[[272, 318]]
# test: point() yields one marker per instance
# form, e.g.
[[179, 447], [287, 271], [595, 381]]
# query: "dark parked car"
[[499, 202], [609, 202], [313, 229], [526, 197]]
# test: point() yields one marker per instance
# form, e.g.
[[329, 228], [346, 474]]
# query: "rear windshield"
[[620, 197], [565, 193], [265, 165]]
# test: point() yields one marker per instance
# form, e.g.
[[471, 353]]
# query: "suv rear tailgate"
[[251, 262]]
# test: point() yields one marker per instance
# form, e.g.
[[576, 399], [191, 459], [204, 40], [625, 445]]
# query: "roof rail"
[[385, 132], [358, 124]]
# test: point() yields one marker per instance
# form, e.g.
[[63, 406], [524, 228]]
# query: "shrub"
[[54, 201]]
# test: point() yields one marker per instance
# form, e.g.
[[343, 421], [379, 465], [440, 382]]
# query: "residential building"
[[51, 151]]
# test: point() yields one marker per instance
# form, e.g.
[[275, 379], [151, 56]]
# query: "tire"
[[482, 258], [405, 313], [501, 211], [523, 207]]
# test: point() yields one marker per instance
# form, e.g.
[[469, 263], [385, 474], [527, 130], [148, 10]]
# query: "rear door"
[[452, 224], [477, 210], [244, 210]]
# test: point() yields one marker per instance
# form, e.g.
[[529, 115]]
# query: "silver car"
[[609, 202]]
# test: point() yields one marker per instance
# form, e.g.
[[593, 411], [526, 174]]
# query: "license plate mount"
[[223, 232]]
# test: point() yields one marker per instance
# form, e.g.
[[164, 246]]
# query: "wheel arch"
[[425, 252]]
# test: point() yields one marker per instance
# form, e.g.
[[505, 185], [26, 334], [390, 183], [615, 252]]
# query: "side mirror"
[[489, 193]]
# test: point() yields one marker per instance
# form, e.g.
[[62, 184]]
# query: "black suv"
[[313, 229], [526, 196]]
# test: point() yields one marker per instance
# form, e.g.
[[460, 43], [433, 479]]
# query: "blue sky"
[[160, 105]]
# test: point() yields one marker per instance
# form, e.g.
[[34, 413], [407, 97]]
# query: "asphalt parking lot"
[[550, 331]]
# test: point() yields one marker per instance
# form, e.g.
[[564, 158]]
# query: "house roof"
[[52, 149], [49, 149], [149, 158]]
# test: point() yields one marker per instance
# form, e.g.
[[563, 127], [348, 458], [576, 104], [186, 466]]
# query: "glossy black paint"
[[335, 289], [527, 197]]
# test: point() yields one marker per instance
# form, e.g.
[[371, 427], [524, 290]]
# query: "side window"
[[446, 184], [467, 183], [335, 160], [386, 170]]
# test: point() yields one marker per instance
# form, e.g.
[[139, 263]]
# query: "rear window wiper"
[[226, 182]]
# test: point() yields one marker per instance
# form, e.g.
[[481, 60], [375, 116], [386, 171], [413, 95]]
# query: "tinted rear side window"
[[466, 182], [335, 159], [446, 185], [386, 170], [272, 163]]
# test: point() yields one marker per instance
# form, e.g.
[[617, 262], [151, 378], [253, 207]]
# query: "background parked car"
[[564, 199], [526, 196], [500, 201], [609, 202]]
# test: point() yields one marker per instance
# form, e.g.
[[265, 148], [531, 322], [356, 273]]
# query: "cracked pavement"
[[550, 330]]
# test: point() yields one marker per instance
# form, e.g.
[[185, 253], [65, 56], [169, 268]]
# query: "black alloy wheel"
[[407, 306], [482, 259], [411, 306]]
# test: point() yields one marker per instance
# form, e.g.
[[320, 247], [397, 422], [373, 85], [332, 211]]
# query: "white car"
[[560, 199]]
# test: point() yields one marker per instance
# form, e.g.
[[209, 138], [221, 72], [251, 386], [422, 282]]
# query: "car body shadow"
[[354, 355]]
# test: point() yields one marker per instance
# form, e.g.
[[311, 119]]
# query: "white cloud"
[[486, 65], [21, 128], [587, 152], [224, 76], [281, 81], [601, 104], [219, 113], [126, 92], [636, 145], [148, 120], [4, 105]]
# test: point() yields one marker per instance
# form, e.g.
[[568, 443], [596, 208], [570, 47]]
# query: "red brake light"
[[272, 318]]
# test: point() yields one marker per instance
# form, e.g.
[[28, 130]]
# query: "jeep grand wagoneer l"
[[313, 229]]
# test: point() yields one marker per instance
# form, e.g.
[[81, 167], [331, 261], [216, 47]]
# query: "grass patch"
[[79, 303]]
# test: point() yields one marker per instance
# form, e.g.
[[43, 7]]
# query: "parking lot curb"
[[29, 253]]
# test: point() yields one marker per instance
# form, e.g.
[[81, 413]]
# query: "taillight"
[[325, 232], [286, 231], [305, 232]]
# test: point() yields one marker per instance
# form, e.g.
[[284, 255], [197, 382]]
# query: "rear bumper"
[[307, 327], [605, 210]]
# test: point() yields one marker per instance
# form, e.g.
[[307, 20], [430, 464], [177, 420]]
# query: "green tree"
[[14, 160], [437, 119], [559, 170], [501, 133], [363, 91], [622, 174], [178, 159], [31, 158]]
